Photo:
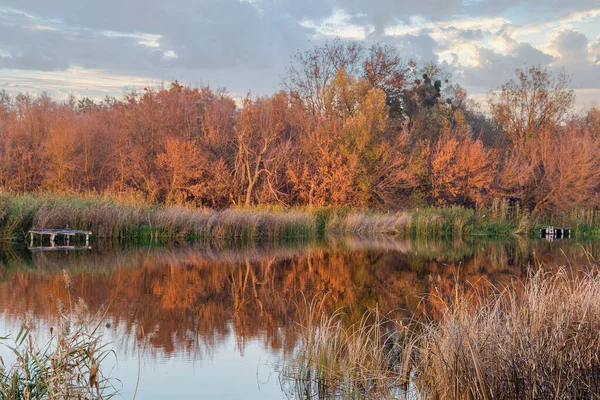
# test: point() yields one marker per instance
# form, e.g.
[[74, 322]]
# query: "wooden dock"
[[39, 249], [555, 232], [53, 233]]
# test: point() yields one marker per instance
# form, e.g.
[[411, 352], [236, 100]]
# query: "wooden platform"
[[38, 249], [555, 232], [53, 233]]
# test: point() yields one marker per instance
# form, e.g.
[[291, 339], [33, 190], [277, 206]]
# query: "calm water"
[[217, 321]]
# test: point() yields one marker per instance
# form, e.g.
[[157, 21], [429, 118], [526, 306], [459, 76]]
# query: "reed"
[[109, 218], [67, 366], [363, 360], [537, 338], [419, 223]]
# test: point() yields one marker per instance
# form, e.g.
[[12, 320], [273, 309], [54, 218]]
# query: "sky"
[[99, 48]]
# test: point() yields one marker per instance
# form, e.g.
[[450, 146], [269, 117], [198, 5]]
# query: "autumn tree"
[[311, 71], [27, 134], [568, 172], [538, 100], [384, 68], [462, 172], [363, 116], [180, 164], [218, 146], [61, 151], [259, 134], [98, 149]]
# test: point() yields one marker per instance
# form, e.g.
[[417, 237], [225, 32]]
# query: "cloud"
[[384, 13], [246, 44], [569, 45], [490, 68], [339, 24], [419, 47], [578, 56], [210, 34]]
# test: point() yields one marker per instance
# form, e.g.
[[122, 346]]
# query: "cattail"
[[67, 278]]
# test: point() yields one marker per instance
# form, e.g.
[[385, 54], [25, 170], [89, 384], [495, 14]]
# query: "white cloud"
[[339, 24], [418, 25]]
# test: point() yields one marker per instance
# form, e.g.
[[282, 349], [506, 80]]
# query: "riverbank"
[[108, 218]]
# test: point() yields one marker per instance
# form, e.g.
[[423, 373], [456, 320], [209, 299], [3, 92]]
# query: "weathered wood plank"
[[58, 248], [44, 231]]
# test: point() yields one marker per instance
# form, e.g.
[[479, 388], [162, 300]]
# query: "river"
[[217, 320]]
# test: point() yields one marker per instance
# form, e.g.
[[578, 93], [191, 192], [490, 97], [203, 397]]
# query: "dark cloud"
[[208, 34], [570, 45], [417, 47], [383, 13], [247, 44]]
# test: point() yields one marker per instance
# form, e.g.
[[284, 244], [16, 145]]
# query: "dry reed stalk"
[[537, 338], [68, 366]]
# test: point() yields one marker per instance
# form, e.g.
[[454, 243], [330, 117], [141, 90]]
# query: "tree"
[[538, 100], [568, 175], [363, 115], [26, 135], [61, 151], [462, 169], [260, 129], [218, 145], [311, 71], [426, 89], [181, 169], [383, 68]]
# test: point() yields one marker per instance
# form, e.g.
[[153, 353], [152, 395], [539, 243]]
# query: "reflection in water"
[[187, 301]]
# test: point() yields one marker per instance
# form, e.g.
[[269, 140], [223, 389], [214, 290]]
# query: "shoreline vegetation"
[[353, 126], [123, 221], [68, 364], [533, 338]]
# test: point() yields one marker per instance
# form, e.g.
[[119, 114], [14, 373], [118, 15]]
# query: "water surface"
[[217, 320]]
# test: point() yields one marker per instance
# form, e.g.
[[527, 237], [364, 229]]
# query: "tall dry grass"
[[107, 217], [537, 338], [364, 360], [236, 223], [419, 223], [66, 366], [362, 224]]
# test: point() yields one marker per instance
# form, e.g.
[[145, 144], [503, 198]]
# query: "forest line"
[[355, 126]]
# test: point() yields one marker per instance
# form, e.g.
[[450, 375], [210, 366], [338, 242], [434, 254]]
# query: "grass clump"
[[333, 360], [420, 223], [108, 218], [537, 338], [67, 366]]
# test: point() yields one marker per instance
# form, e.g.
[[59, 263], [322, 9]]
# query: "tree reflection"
[[189, 299]]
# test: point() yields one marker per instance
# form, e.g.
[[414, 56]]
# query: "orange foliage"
[[167, 296], [462, 171], [359, 128]]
